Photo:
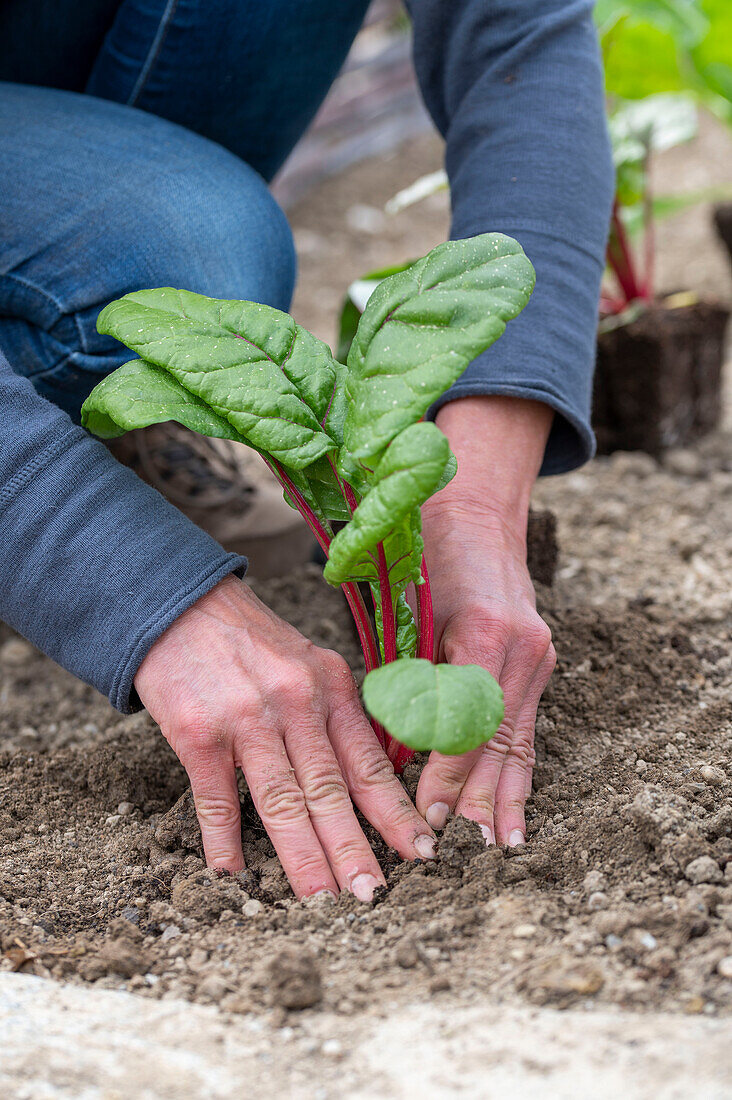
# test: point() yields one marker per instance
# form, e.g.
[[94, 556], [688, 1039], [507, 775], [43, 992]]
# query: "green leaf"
[[419, 331], [447, 708], [272, 380], [139, 394], [408, 474]]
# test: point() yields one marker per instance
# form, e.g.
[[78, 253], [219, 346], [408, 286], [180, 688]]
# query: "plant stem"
[[387, 609], [620, 259], [426, 644], [350, 591]]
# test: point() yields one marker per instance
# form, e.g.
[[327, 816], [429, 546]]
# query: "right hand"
[[232, 685]]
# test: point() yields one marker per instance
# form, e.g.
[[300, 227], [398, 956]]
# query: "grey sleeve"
[[94, 564], [516, 88]]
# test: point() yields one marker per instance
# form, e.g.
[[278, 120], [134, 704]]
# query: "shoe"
[[225, 488]]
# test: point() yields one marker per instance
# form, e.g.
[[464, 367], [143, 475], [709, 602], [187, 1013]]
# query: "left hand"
[[485, 609]]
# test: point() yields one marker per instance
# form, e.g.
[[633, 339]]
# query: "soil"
[[658, 377], [622, 895]]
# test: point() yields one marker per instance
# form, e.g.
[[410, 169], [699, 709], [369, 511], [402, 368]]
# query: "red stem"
[[351, 591], [426, 645], [620, 258], [387, 609]]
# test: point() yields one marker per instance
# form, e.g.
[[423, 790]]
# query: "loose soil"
[[622, 895]]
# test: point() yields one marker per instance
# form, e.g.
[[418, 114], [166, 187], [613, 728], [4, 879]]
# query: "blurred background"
[[373, 137]]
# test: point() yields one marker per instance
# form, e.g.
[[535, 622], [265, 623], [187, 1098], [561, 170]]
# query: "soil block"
[[723, 225], [658, 377], [541, 545]]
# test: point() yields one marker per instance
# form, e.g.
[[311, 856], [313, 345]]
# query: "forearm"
[[499, 443], [94, 565], [516, 88]]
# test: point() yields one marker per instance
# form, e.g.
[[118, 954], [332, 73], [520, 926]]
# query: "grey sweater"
[[94, 565]]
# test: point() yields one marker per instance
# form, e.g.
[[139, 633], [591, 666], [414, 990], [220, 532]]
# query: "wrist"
[[499, 444]]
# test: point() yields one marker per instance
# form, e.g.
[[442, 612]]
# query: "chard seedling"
[[347, 442]]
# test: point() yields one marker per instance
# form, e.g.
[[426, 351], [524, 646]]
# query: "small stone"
[[596, 901], [252, 908], [406, 954], [694, 1006], [713, 775], [125, 809], [703, 869], [593, 880], [684, 462], [169, 932], [648, 941], [212, 988], [524, 931], [724, 966], [612, 941], [332, 1047], [15, 653], [112, 820]]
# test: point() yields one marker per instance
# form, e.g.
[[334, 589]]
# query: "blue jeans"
[[136, 137]]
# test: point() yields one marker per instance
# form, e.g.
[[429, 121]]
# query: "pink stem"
[[620, 258], [426, 646], [350, 591], [399, 754]]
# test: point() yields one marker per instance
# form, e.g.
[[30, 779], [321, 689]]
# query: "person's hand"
[[485, 610], [231, 684]]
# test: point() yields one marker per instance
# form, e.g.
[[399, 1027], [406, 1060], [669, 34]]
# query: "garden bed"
[[622, 895], [101, 880]]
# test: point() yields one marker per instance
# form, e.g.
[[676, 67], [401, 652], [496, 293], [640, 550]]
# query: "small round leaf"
[[448, 708]]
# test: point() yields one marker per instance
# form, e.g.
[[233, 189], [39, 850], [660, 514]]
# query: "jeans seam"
[[28, 285], [154, 52]]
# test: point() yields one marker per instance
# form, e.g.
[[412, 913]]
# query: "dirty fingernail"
[[490, 837], [363, 887], [436, 815], [515, 838], [425, 846]]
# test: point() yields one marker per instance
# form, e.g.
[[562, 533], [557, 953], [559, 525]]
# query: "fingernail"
[[488, 833], [425, 846], [515, 838], [436, 815], [363, 887]]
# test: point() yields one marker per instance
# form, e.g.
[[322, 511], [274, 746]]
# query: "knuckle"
[[372, 770], [534, 639], [281, 800], [300, 690], [307, 866], [481, 635], [478, 806], [217, 812], [449, 771], [521, 749], [325, 786], [500, 744]]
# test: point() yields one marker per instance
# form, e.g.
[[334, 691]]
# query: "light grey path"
[[73, 1043]]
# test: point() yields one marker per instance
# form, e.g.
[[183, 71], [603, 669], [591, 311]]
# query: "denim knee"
[[156, 206]]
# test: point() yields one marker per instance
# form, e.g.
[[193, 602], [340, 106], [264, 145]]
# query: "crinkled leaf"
[[138, 394], [409, 473], [274, 382], [447, 708], [406, 628], [419, 331]]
